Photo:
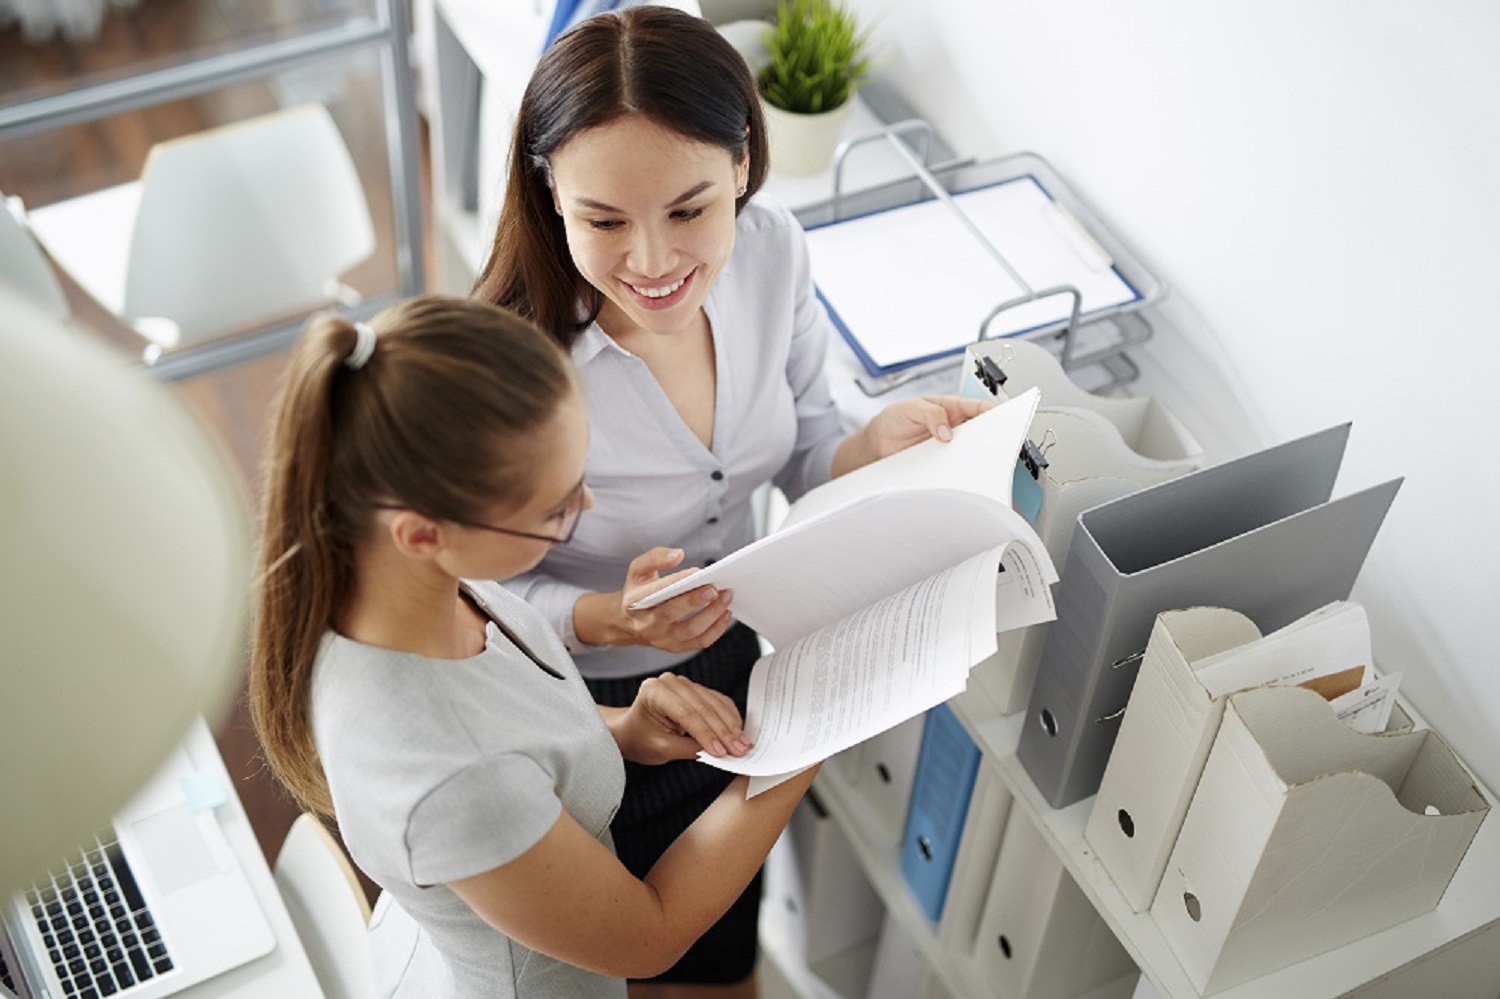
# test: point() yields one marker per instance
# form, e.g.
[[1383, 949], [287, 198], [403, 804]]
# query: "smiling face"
[[649, 217]]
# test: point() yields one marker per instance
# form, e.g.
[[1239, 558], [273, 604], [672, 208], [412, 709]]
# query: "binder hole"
[[925, 846], [1127, 824], [883, 771], [1194, 909], [1004, 945], [1431, 810], [1049, 724]]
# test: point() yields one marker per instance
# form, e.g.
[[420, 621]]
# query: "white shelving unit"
[[1471, 904], [1449, 951], [1398, 961]]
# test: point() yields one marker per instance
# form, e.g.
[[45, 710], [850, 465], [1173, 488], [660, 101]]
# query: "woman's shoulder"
[[369, 703]]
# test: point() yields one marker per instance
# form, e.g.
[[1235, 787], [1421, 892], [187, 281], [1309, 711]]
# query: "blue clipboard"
[[1127, 285]]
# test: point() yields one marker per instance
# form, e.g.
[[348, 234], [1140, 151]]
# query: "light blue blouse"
[[654, 482]]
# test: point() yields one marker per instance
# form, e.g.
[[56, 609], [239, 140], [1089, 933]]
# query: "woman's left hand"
[[904, 423], [672, 718]]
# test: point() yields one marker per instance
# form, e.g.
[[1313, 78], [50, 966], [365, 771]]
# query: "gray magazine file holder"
[[1257, 534]]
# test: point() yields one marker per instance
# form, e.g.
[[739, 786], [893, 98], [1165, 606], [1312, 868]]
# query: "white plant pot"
[[804, 143]]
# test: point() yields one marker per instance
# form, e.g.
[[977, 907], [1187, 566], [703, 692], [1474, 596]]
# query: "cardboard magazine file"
[[1304, 835], [1039, 935], [1165, 737], [1084, 462], [1003, 369]]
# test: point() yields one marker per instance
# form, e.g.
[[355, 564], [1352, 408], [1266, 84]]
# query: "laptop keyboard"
[[99, 934]]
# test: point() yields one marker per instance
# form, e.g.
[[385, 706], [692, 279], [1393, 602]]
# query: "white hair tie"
[[364, 346]]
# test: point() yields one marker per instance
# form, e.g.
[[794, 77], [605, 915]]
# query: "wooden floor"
[[56, 165]]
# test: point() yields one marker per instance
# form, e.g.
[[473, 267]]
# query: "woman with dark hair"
[[399, 690], [631, 233]]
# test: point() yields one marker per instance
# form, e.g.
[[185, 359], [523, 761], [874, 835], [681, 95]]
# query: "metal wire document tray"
[[914, 270]]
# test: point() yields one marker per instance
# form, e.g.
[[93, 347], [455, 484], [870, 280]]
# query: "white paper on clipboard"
[[913, 281]]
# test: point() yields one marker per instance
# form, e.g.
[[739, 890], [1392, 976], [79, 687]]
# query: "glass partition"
[[79, 119], [48, 49]]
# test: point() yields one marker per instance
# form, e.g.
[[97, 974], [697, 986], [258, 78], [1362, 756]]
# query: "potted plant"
[[816, 58]]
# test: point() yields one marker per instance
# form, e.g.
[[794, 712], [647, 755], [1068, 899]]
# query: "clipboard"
[[961, 217]]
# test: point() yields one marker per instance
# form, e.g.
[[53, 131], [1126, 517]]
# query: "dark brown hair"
[[657, 62], [439, 419]]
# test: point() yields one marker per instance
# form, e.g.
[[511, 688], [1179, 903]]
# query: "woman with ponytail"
[[400, 691]]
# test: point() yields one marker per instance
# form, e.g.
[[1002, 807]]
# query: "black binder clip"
[[990, 374], [1034, 458]]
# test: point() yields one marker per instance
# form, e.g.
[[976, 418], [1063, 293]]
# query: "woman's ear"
[[416, 536]]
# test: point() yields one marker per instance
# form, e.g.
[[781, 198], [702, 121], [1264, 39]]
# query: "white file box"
[[974, 867], [817, 888], [900, 970], [1039, 936], [1168, 729], [880, 771], [1304, 835], [1146, 426]]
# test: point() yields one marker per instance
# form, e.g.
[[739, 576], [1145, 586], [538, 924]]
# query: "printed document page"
[[870, 671], [1333, 638]]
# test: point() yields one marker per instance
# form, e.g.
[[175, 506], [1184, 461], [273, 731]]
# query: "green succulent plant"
[[818, 56]]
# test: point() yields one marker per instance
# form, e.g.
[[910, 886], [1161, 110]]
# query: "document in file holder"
[[1258, 533], [913, 283]]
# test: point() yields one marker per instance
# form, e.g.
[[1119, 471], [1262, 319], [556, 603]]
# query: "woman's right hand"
[[687, 623]]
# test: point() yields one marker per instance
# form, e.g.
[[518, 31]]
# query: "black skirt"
[[661, 801]]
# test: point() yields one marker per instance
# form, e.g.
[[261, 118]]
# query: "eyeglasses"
[[568, 518]]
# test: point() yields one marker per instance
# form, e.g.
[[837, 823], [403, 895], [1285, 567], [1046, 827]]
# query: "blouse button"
[[716, 476], [713, 520]]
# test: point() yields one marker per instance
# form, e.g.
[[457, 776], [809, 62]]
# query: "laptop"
[[154, 902]]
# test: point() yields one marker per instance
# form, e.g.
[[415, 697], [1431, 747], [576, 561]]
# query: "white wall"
[[1318, 182]]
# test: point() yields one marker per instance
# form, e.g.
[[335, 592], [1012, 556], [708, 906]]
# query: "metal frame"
[[1132, 327]]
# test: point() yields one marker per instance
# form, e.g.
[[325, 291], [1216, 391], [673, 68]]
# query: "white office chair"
[[226, 229], [328, 908], [23, 264]]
